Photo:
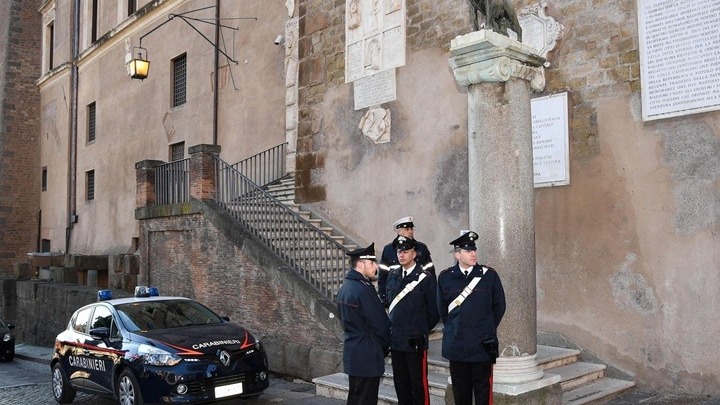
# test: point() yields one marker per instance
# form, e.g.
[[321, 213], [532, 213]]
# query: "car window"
[[102, 318], [81, 319], [153, 315]]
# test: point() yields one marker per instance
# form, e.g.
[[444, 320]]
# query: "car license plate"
[[228, 390]]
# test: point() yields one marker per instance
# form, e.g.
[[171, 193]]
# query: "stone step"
[[437, 380], [576, 374], [601, 389], [335, 386], [549, 356]]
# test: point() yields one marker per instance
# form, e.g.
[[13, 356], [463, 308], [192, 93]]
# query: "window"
[[51, 45], [132, 7], [94, 26], [44, 178], [80, 322], [177, 151], [102, 318], [45, 245], [91, 122], [90, 185], [179, 78]]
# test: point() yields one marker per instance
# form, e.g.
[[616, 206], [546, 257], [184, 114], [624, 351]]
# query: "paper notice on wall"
[[550, 139]]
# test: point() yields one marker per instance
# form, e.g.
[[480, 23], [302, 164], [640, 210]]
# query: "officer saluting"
[[367, 328], [471, 301], [412, 293]]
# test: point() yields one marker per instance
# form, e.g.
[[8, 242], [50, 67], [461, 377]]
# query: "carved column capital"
[[485, 56]]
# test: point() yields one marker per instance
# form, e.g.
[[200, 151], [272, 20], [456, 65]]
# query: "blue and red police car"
[[154, 349]]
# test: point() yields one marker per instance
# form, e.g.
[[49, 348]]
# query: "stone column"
[[202, 170], [499, 73]]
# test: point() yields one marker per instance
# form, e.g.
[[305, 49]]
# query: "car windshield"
[[164, 314]]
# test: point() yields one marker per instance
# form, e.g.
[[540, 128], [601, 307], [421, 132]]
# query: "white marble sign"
[[374, 37], [550, 138], [679, 57], [375, 90]]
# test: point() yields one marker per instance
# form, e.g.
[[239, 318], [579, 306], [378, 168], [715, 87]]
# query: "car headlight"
[[7, 337], [258, 345], [157, 357]]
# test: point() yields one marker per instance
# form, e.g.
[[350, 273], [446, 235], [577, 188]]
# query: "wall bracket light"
[[139, 65]]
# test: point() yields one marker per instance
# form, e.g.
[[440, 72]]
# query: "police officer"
[[367, 328], [471, 301], [412, 293], [389, 259]]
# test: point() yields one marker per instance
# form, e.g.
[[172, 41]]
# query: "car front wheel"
[[128, 391], [62, 391]]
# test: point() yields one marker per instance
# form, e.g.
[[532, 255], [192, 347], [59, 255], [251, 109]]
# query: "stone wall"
[[203, 255], [20, 170]]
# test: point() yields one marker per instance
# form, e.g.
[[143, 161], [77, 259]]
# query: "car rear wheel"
[[128, 391], [62, 391]]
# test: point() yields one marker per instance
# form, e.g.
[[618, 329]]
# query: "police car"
[[7, 341], [154, 349]]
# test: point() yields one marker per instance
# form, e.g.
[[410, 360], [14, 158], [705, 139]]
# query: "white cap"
[[404, 222]]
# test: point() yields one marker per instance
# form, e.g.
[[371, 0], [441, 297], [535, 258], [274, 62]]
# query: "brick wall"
[[193, 256], [19, 131]]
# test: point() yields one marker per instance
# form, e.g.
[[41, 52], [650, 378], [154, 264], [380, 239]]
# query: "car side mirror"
[[102, 333], [10, 326], [225, 318]]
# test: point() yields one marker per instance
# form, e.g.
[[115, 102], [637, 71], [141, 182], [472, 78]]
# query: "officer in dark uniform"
[[367, 328], [412, 293], [471, 301], [389, 259]]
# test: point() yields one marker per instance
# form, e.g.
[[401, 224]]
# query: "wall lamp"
[[139, 67]]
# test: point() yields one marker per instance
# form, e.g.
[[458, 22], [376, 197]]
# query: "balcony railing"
[[310, 252], [265, 167], [172, 182]]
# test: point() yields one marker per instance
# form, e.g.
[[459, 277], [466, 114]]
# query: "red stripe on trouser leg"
[[426, 388], [490, 400]]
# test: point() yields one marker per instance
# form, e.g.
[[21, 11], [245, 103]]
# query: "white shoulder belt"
[[411, 286], [466, 291]]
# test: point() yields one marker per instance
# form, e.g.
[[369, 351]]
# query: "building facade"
[[627, 254]]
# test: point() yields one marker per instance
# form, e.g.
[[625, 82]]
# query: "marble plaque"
[[374, 37], [375, 90], [550, 138], [679, 57]]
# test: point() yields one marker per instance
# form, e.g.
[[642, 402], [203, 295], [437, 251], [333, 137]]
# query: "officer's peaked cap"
[[466, 241], [364, 253], [404, 243], [404, 222]]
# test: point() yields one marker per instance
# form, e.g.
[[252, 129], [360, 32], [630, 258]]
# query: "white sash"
[[406, 290], [466, 291]]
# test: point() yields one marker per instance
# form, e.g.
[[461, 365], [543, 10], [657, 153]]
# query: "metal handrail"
[[265, 167], [306, 249], [172, 182]]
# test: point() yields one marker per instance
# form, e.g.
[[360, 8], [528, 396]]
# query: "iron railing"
[[172, 182], [265, 167], [306, 249]]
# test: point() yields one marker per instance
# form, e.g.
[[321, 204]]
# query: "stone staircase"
[[581, 382], [284, 191]]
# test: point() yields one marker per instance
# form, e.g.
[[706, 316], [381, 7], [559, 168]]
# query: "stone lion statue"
[[499, 16]]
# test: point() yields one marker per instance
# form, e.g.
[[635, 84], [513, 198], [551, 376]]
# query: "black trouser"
[[363, 390], [471, 377], [410, 377]]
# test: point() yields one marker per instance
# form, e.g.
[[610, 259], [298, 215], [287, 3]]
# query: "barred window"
[[177, 151], [94, 22], [44, 178], [132, 7], [90, 184], [91, 122], [179, 94], [51, 45]]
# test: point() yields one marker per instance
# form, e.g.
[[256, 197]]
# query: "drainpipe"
[[72, 144], [216, 80]]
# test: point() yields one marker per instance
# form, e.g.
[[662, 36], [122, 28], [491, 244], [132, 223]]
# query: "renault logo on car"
[[225, 358]]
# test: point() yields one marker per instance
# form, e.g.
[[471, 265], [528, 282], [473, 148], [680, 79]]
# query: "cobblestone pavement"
[[637, 397]]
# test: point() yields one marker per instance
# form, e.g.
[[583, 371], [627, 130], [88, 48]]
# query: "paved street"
[[28, 383]]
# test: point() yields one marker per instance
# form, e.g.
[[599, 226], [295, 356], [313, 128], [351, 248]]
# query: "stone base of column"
[[516, 370]]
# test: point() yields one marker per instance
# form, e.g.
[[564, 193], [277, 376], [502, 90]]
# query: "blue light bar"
[[104, 295], [153, 291], [143, 291]]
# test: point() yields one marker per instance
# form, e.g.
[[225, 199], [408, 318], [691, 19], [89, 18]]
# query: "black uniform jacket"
[[476, 319], [389, 261], [367, 327], [415, 314]]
